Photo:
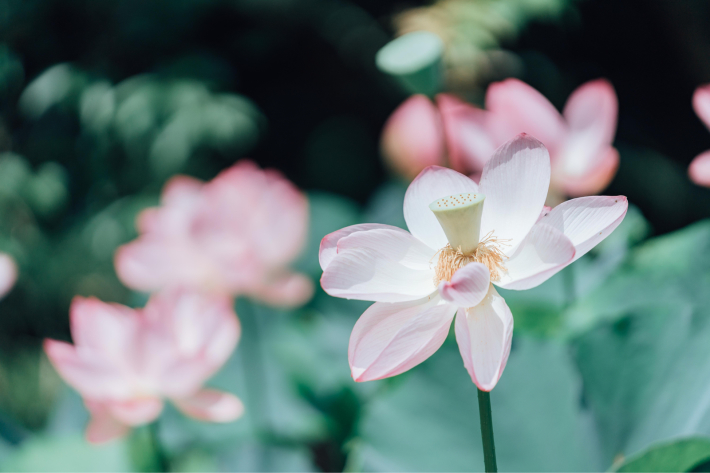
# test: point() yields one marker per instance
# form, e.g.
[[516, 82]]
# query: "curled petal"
[[515, 182], [525, 110], [211, 405], [390, 339], [366, 274], [433, 183], [701, 103], [397, 244], [412, 138], [468, 286], [329, 243], [544, 252], [484, 334], [586, 221], [699, 170]]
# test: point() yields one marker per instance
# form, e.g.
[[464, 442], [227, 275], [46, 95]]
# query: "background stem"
[[161, 457], [489, 447]]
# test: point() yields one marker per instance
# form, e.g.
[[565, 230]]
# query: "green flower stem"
[[489, 447], [255, 376], [161, 457]]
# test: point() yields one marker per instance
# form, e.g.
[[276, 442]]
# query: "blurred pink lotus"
[[421, 281], [8, 274], [124, 362], [699, 169], [234, 235], [413, 137], [579, 140]]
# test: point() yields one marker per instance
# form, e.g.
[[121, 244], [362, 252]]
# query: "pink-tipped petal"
[[8, 274], [399, 245], [108, 329], [412, 138], [586, 221], [103, 427], [433, 183], [597, 177], [468, 286], [545, 210], [701, 103], [544, 252], [369, 275], [699, 169], [287, 290], [593, 108], [91, 374], [211, 406], [484, 334], [525, 110], [515, 183], [469, 141], [586, 162], [390, 339], [329, 243]]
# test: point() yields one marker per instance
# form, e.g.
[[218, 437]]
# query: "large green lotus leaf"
[[678, 455], [645, 376], [673, 269], [428, 420], [68, 453]]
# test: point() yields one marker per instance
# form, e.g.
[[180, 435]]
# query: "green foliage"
[[429, 420], [70, 453], [678, 455]]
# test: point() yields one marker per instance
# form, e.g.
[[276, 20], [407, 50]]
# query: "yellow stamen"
[[487, 252]]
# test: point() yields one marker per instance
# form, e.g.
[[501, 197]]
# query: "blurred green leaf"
[[672, 268], [429, 421], [678, 455], [68, 453]]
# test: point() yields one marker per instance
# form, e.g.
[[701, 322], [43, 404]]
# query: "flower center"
[[487, 252], [460, 218]]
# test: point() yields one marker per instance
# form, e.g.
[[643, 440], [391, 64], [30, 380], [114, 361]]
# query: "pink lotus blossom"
[[8, 274], [421, 280], [124, 361], [413, 137], [699, 169], [235, 235], [579, 140]]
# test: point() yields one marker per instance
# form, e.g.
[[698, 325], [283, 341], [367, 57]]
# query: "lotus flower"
[[465, 240], [579, 141], [124, 362], [413, 137], [699, 169], [234, 235], [8, 274]]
